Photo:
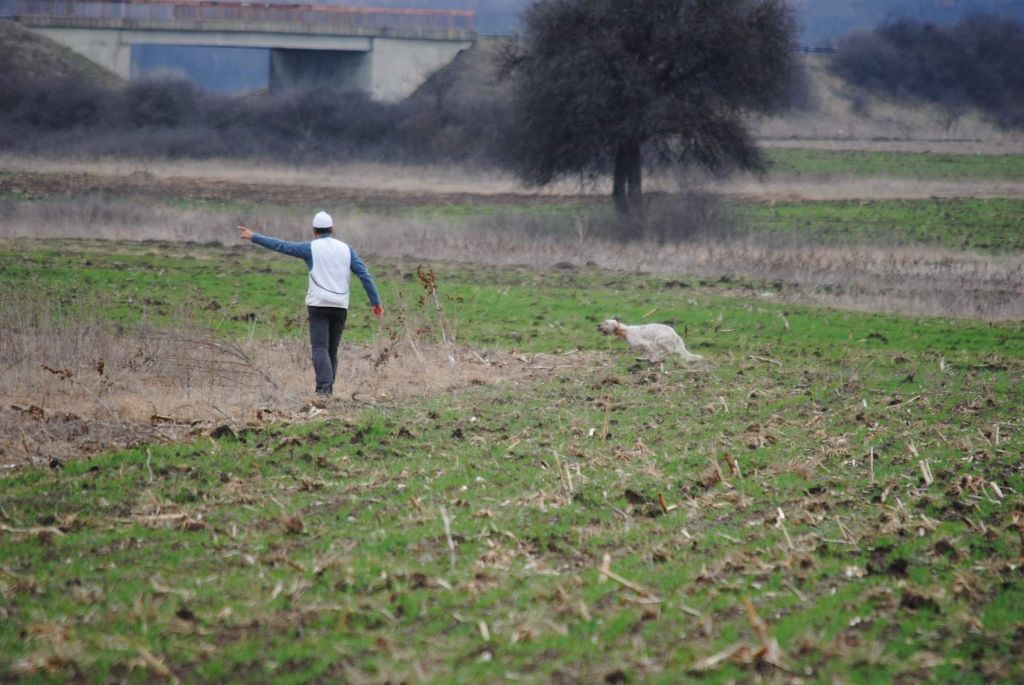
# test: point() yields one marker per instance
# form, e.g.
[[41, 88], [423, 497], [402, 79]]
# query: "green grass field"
[[982, 225], [818, 164], [855, 478], [956, 224]]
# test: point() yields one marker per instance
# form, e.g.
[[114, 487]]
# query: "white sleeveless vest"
[[331, 275]]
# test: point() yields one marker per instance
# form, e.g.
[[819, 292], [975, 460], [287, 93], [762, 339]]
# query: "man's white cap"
[[323, 220]]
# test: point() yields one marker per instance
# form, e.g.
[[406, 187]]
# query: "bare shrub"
[[175, 119], [46, 107], [156, 104], [691, 215], [455, 127], [90, 356]]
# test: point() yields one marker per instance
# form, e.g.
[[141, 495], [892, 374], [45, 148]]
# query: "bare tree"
[[609, 86]]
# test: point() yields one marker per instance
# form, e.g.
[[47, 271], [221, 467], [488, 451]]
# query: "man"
[[331, 264]]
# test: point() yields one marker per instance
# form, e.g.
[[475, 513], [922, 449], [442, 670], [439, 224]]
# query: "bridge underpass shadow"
[[295, 69]]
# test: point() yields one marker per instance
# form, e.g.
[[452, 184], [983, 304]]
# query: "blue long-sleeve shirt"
[[304, 251]]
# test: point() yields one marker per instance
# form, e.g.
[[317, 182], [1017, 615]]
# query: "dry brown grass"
[[119, 200], [907, 280], [414, 184], [395, 178], [73, 385]]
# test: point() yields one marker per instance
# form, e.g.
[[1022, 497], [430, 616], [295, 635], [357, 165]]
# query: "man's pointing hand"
[[245, 233]]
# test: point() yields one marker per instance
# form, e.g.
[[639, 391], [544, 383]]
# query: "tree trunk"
[[627, 189]]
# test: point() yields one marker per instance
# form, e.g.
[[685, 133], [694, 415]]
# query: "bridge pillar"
[[400, 66]]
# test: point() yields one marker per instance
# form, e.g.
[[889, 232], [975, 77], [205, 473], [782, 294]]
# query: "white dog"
[[655, 339]]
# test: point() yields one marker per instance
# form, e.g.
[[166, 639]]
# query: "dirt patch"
[[380, 186], [270, 191]]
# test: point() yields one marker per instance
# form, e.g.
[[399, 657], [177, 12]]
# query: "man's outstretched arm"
[[360, 270], [301, 250]]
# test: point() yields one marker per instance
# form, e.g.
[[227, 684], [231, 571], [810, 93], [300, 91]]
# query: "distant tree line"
[[976, 64], [175, 119], [972, 65], [824, 21], [821, 21]]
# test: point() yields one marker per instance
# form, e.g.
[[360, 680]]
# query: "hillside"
[[33, 57], [835, 111], [840, 112]]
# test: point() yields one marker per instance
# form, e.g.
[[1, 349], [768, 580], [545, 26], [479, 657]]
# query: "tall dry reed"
[[912, 280]]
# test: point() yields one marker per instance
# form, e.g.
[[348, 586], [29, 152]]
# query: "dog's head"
[[609, 326]]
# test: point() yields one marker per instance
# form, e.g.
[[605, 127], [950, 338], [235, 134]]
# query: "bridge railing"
[[364, 18]]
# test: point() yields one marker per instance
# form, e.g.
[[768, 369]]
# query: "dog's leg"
[[659, 352]]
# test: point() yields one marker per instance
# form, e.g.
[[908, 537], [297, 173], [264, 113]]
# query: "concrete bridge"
[[386, 53]]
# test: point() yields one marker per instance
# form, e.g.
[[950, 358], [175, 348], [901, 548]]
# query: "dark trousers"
[[326, 325]]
